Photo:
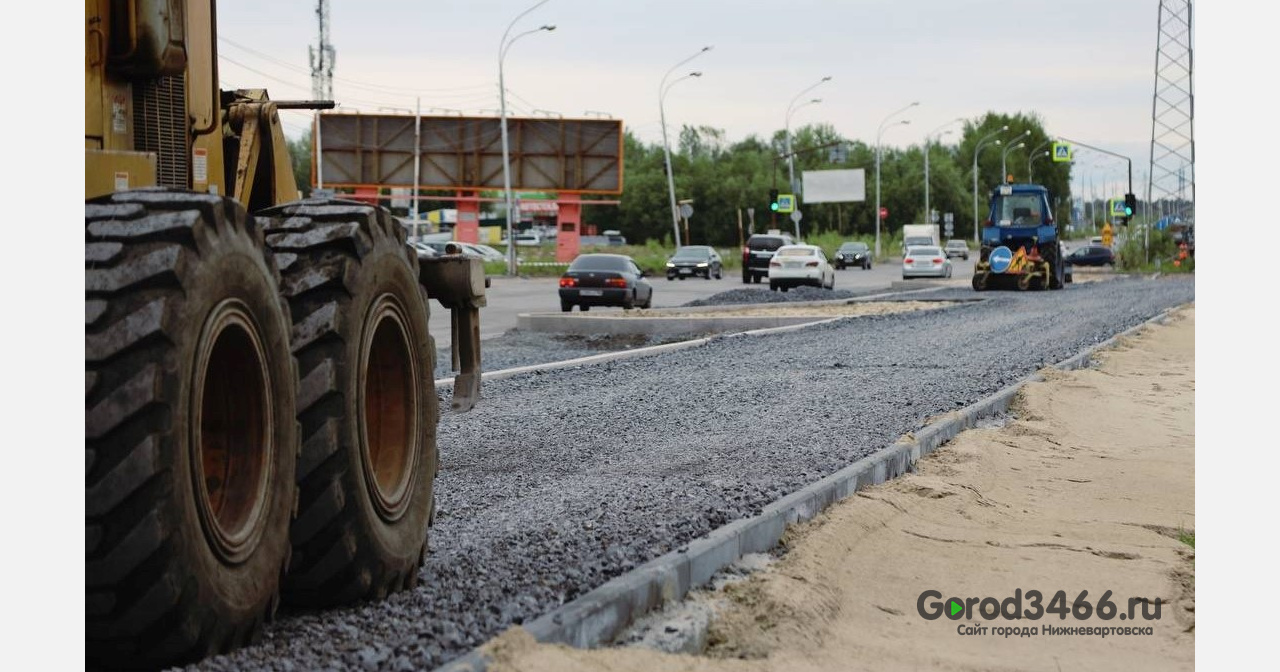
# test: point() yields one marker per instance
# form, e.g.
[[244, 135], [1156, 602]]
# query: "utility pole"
[[322, 57], [1173, 145], [417, 161]]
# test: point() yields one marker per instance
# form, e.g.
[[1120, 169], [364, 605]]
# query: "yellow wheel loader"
[[260, 410]]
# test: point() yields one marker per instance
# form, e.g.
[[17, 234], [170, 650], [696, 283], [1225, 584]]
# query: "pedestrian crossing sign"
[[1061, 152], [786, 202]]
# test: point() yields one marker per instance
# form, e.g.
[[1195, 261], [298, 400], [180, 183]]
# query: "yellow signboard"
[[1106, 235], [1061, 152]]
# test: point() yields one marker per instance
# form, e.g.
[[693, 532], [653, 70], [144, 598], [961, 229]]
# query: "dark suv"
[[757, 253]]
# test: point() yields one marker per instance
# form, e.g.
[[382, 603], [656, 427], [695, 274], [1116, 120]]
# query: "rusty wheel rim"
[[231, 431], [389, 415]]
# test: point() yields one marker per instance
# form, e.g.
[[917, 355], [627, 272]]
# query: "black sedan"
[[695, 260], [853, 254], [1092, 255], [604, 280]]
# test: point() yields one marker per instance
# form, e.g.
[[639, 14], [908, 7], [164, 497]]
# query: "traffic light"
[[773, 200], [1130, 205]]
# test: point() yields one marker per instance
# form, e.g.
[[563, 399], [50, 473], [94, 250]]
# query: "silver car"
[[925, 262]]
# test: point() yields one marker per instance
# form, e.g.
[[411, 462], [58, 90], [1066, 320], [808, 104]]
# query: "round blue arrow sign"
[[1000, 259]]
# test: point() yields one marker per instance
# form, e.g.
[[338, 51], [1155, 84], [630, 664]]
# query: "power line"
[[447, 92], [295, 85]]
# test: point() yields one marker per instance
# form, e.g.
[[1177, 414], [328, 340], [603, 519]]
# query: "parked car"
[[424, 250], [465, 249], [483, 251], [757, 253], [957, 248], [528, 239], [1092, 255], [604, 280], [794, 265], [444, 247], [1096, 240], [853, 254], [925, 262], [693, 260]]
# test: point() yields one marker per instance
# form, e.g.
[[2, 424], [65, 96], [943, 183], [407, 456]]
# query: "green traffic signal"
[[773, 206]]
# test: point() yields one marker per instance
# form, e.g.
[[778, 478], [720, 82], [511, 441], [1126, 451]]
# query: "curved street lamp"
[[933, 134], [506, 150], [1004, 170], [791, 108], [666, 145], [977, 232], [880, 132], [1034, 153], [1004, 155], [1031, 160]]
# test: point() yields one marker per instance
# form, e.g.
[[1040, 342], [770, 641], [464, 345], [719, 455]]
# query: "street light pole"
[[977, 232], [506, 150], [1004, 169], [791, 159], [1034, 153], [927, 212], [880, 132], [1031, 162], [666, 144], [791, 162]]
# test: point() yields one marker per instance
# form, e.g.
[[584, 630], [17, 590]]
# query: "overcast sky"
[[1086, 66]]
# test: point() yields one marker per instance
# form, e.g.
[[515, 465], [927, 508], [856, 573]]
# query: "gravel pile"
[[766, 295], [560, 481]]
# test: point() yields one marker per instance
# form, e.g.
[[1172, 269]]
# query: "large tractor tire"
[[366, 400], [190, 432]]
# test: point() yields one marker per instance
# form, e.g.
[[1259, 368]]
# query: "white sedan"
[[484, 251], [925, 262], [794, 265]]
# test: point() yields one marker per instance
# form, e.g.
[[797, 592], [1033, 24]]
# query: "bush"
[[1160, 254]]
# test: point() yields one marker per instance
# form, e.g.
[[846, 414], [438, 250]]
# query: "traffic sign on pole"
[[786, 202], [1061, 152], [796, 216]]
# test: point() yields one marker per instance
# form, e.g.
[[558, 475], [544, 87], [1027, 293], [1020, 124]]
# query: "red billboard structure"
[[570, 157]]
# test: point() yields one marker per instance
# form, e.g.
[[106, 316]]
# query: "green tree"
[[723, 177], [300, 155], [1026, 128]]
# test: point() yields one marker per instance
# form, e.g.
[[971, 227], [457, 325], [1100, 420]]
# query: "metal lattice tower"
[[1172, 186], [322, 57]]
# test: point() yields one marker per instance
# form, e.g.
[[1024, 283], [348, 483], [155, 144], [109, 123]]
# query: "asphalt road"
[[508, 297], [558, 482]]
